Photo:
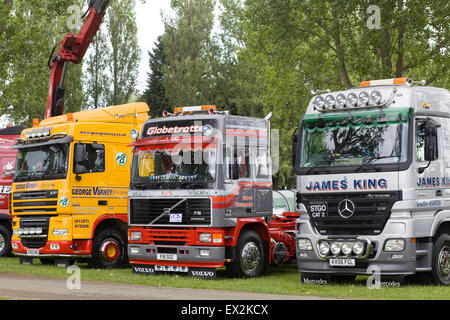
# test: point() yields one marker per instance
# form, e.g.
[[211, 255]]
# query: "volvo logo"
[[346, 208]]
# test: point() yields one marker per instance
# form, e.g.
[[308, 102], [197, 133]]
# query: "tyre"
[[5, 241], [440, 267], [249, 258], [109, 250]]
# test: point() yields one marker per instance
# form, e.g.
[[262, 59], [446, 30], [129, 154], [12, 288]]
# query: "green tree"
[[28, 31], [188, 44], [97, 80], [124, 57], [155, 93], [290, 47]]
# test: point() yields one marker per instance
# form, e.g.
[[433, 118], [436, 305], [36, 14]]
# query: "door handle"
[[102, 202]]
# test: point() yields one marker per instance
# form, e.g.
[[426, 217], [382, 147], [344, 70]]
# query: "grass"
[[281, 280]]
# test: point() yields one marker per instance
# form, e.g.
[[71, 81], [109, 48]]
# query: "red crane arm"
[[72, 49]]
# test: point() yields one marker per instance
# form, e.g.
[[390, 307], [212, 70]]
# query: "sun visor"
[[34, 144]]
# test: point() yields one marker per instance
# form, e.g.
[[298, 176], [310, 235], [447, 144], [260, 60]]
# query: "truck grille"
[[371, 212], [192, 211], [34, 240], [35, 201]]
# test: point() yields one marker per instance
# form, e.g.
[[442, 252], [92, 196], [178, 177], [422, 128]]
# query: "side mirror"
[[80, 153], [431, 143], [295, 141], [431, 140], [235, 171], [80, 169]]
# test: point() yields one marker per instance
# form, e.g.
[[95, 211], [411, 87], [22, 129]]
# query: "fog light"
[[60, 232], [135, 236], [204, 237], [204, 253], [15, 245], [135, 250], [304, 244], [394, 245], [336, 248], [324, 248], [347, 248], [54, 246], [358, 248]]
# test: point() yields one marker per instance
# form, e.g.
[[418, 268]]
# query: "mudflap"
[[203, 273], [26, 260]]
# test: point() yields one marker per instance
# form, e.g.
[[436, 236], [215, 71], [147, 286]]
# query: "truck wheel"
[[249, 258], [5, 242], [440, 270], [108, 250]]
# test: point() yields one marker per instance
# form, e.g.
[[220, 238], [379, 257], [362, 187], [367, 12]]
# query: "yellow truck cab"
[[69, 195]]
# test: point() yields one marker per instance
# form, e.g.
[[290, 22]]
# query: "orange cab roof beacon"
[[383, 82]]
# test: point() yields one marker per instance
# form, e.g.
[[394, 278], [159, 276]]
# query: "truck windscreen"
[[182, 169], [353, 144], [42, 163]]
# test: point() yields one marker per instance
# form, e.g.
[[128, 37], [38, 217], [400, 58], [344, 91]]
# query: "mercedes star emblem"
[[346, 208]]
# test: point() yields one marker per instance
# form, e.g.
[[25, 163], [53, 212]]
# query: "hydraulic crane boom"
[[72, 49]]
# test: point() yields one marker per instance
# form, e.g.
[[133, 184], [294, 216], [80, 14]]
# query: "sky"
[[150, 26]]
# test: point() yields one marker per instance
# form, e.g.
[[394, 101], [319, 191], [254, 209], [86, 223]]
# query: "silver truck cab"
[[373, 182]]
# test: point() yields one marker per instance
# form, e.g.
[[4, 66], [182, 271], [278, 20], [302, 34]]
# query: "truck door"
[[429, 170], [89, 186]]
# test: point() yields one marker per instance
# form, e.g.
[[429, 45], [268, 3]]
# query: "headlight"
[[135, 236], [319, 103], [134, 250], [394, 245], [358, 248], [324, 248], [304, 244], [330, 101], [347, 248], [340, 100], [352, 99], [60, 232], [204, 237], [336, 248], [204, 253], [375, 96], [364, 98]]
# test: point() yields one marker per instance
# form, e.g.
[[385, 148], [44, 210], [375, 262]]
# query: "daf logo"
[[346, 208]]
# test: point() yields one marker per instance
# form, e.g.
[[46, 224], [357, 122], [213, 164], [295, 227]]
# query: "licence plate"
[[342, 262], [318, 209], [32, 252], [171, 268], [166, 256]]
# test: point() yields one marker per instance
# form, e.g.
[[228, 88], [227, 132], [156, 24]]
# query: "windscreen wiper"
[[319, 168], [371, 160]]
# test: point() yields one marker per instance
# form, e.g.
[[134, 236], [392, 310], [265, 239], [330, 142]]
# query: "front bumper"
[[76, 249], [188, 256], [383, 262]]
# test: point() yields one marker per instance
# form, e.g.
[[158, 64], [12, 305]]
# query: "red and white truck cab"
[[201, 196]]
